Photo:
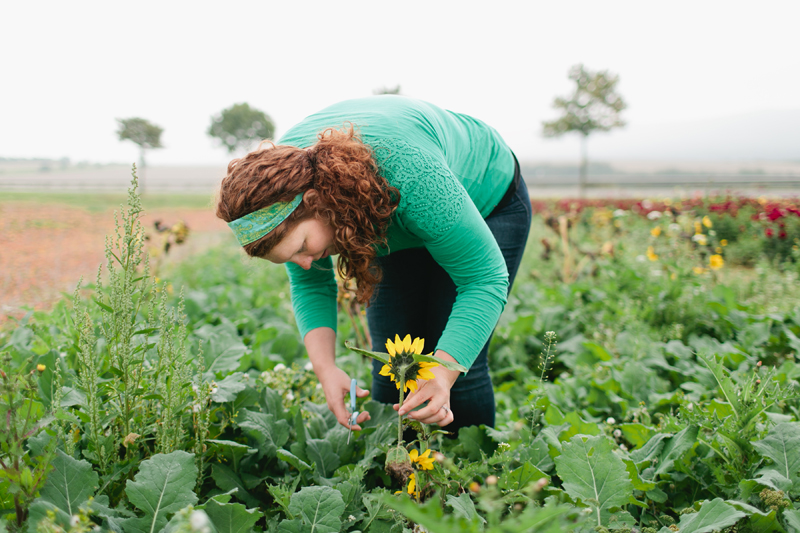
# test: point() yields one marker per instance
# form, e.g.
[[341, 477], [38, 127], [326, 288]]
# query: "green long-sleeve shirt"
[[451, 171]]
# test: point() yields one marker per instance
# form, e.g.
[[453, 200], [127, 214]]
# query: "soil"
[[45, 250]]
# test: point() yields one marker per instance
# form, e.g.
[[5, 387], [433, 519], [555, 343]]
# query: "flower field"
[[646, 373]]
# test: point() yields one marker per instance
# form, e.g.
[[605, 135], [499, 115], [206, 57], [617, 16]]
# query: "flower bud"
[[40, 367], [541, 483], [491, 480], [474, 487], [439, 456]]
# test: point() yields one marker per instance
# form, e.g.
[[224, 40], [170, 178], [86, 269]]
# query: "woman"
[[426, 210]]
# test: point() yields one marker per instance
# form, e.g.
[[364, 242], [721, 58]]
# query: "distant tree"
[[238, 126], [387, 90], [141, 132], [594, 106]]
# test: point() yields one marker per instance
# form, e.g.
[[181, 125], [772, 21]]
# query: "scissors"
[[354, 414]]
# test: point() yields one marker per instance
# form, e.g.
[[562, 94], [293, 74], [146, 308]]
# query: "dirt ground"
[[46, 249]]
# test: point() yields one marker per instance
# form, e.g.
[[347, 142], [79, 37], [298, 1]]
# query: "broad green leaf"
[[464, 507], [637, 481], [321, 453], [577, 426], [163, 485], [714, 514], [228, 480], [519, 478], [319, 508], [675, 447], [651, 449], [293, 460], [229, 388], [537, 453], [781, 445], [473, 442], [792, 519], [268, 433], [231, 517], [758, 520], [592, 472], [230, 450], [637, 434], [68, 486]]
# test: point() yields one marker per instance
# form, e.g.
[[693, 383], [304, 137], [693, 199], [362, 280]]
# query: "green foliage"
[[139, 131], [238, 126]]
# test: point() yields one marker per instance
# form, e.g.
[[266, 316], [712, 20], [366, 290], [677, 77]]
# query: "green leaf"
[[163, 485], [592, 472], [675, 447], [229, 388], [228, 480], [318, 508], [792, 519], [293, 460], [321, 453], [714, 514], [758, 520], [267, 432], [633, 474], [464, 507], [781, 446], [68, 486], [380, 356], [519, 478], [231, 517], [637, 434]]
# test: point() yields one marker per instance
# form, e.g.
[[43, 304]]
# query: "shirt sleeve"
[[436, 208], [313, 295]]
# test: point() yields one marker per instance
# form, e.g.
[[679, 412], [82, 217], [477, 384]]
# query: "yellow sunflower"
[[401, 354], [424, 460]]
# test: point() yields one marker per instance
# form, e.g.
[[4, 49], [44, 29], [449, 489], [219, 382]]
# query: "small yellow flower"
[[698, 270], [655, 232], [412, 484], [700, 239], [40, 367], [707, 222], [716, 262], [673, 276], [651, 254], [718, 250], [425, 460], [724, 242], [698, 228]]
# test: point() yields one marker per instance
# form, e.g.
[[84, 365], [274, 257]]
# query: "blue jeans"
[[416, 296]]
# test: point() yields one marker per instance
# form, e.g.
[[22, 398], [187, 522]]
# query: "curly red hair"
[[351, 196]]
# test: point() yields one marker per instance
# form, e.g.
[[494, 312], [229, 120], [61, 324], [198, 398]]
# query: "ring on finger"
[[446, 410]]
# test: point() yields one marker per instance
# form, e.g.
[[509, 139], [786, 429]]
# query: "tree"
[[594, 106], [143, 133], [239, 125], [387, 90]]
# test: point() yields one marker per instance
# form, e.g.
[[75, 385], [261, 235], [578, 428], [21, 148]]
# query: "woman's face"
[[308, 241]]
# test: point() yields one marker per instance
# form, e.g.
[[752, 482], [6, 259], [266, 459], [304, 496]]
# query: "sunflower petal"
[[390, 347], [424, 373], [398, 343], [407, 343], [428, 365], [420, 345], [385, 370], [411, 385]]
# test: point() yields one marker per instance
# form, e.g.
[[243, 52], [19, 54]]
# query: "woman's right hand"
[[336, 384]]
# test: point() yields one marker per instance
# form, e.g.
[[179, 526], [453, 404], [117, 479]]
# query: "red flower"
[[768, 232], [782, 234], [774, 214]]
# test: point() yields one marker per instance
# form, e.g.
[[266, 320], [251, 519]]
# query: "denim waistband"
[[512, 189]]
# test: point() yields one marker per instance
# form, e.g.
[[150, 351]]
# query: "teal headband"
[[259, 223]]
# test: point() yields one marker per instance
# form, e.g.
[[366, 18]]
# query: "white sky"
[[70, 68]]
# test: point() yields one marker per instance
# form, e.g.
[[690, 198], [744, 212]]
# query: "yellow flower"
[[655, 232], [651, 254], [724, 242], [700, 239], [707, 222], [698, 270], [400, 354], [698, 227], [425, 460], [40, 367], [412, 484], [718, 250], [716, 262]]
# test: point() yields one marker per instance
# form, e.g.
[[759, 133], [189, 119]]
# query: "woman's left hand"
[[436, 392]]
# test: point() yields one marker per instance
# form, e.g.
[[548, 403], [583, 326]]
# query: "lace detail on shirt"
[[431, 198]]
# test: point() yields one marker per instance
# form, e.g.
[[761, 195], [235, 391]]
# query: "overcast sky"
[[70, 68]]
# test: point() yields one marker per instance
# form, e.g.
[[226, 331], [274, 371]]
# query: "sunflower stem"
[[399, 416]]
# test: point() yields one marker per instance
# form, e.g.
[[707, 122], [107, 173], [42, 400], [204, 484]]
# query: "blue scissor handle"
[[354, 413]]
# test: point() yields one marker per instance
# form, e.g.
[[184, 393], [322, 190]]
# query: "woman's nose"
[[304, 262]]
